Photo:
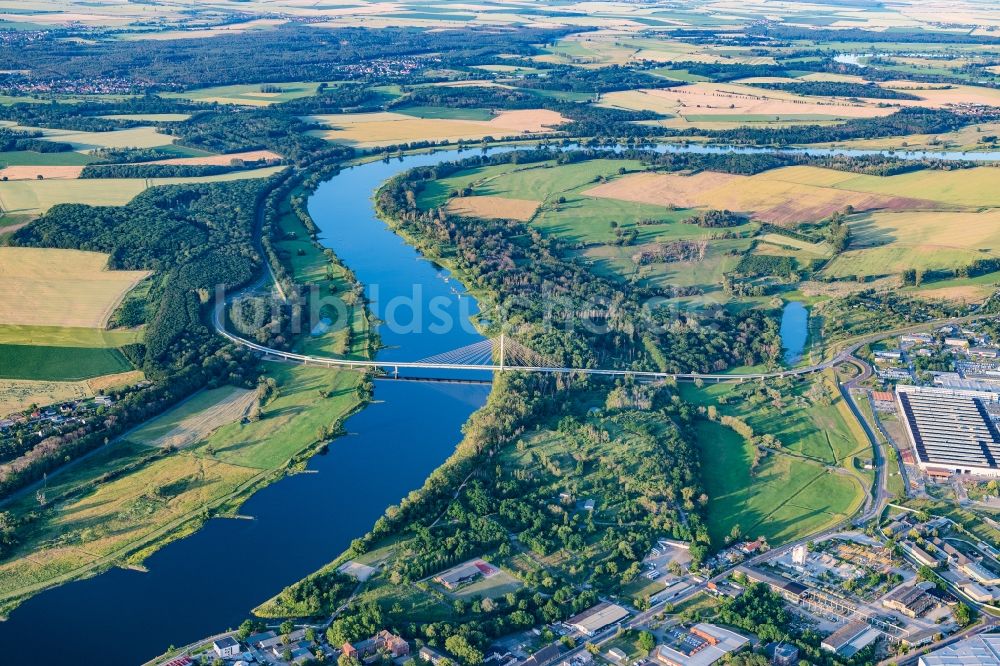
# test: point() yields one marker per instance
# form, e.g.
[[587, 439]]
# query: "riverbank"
[[132, 499]]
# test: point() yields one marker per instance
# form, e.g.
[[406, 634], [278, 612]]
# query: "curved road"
[[845, 355]]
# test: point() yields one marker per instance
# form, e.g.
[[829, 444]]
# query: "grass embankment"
[[129, 499], [811, 482]]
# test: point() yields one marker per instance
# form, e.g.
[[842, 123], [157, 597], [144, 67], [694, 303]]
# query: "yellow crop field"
[[494, 207], [730, 99], [133, 137], [19, 394], [384, 128], [50, 287], [942, 95], [891, 242], [37, 196], [767, 196], [959, 187]]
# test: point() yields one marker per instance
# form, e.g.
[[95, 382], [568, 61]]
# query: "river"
[[211, 580]]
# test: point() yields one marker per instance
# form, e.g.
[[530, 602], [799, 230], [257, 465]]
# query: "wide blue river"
[[211, 580]]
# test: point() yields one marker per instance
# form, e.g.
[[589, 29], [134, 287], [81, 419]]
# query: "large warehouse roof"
[[981, 650], [950, 427]]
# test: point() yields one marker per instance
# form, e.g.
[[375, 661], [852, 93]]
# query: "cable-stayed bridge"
[[501, 354]]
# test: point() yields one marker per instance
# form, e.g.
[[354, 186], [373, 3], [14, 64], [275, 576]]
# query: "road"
[[846, 355]]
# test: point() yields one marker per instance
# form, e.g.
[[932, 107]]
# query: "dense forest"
[[910, 120], [289, 53], [838, 89]]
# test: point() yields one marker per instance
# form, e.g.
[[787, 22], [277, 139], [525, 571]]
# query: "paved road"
[[846, 355]]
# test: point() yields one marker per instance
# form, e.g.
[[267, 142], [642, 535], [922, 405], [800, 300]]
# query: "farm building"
[[592, 620], [701, 645], [951, 430]]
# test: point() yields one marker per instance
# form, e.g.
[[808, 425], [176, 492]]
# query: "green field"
[[592, 224], [805, 485], [445, 113], [37, 196], [782, 500], [249, 94], [32, 158], [885, 243], [59, 336], [579, 218], [59, 363]]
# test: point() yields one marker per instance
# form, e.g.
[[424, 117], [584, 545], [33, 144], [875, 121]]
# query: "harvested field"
[[705, 99], [33, 172], [942, 95], [114, 382], [49, 287], [222, 160], [196, 418], [373, 129], [766, 197], [664, 189], [970, 294], [18, 394], [494, 207]]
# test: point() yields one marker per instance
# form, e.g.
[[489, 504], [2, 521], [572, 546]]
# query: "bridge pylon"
[[501, 351]]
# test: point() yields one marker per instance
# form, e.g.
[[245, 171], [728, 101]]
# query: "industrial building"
[[910, 600], [701, 645], [952, 430], [982, 650], [850, 639], [594, 619]]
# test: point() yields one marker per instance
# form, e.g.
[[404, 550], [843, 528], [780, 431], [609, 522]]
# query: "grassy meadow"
[[804, 486], [37, 196]]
